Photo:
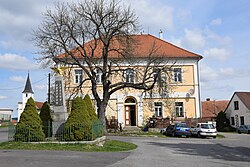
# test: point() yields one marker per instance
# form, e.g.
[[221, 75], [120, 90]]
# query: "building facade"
[[5, 114], [238, 109], [178, 98]]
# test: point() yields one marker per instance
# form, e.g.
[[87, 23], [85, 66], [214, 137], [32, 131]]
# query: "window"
[[155, 72], [232, 121], [158, 109], [162, 79], [236, 105], [179, 111], [98, 76], [242, 120], [78, 76], [130, 75], [177, 75]]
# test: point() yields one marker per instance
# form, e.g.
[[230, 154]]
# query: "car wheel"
[[239, 132], [199, 135], [248, 132], [214, 137]]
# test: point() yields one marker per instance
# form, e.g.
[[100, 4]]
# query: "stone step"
[[131, 129]]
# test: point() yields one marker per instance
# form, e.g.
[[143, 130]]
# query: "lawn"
[[109, 146]]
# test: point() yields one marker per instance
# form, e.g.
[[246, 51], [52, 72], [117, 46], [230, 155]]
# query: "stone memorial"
[[60, 114]]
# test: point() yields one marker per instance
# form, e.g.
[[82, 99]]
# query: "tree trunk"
[[101, 115]]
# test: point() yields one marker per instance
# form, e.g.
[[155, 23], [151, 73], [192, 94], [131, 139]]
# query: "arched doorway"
[[130, 112]]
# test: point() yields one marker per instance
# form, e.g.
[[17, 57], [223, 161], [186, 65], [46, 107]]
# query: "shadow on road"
[[216, 151]]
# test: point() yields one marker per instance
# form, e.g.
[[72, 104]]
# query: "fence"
[[74, 132]]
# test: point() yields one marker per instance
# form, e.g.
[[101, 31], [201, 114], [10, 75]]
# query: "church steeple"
[[28, 88]]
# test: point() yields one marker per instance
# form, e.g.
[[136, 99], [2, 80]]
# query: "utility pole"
[[49, 89]]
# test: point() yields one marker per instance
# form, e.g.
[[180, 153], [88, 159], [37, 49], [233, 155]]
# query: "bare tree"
[[97, 35]]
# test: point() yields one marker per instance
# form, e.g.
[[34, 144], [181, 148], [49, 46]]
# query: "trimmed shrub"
[[29, 127], [90, 108], [78, 125], [46, 118]]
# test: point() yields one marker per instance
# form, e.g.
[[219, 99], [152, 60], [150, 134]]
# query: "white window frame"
[[158, 109], [177, 75], [178, 109], [78, 78], [130, 75], [162, 78], [98, 76]]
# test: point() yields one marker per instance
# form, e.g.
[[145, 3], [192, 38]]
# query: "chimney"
[[208, 99], [161, 34]]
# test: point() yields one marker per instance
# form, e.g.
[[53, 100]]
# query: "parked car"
[[244, 129], [204, 130], [178, 129]]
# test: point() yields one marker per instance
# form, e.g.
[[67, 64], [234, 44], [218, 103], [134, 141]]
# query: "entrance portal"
[[130, 112]]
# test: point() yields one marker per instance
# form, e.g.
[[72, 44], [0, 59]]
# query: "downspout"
[[199, 93]]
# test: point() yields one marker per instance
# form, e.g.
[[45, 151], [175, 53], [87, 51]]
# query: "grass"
[[220, 136], [109, 146]]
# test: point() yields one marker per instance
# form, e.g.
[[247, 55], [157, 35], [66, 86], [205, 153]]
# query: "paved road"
[[233, 151], [192, 152]]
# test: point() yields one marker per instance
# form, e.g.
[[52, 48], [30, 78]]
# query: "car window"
[[207, 126], [181, 125]]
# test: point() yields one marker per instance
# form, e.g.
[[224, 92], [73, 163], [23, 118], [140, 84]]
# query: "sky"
[[219, 30]]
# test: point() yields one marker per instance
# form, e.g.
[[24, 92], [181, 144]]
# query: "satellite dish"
[[191, 91]]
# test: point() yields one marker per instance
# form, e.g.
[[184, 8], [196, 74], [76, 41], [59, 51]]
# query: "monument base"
[[59, 118]]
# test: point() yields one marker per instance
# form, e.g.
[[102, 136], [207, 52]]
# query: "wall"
[[243, 111]]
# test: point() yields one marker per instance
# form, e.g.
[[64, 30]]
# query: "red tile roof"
[[245, 98], [210, 109], [142, 47], [39, 104]]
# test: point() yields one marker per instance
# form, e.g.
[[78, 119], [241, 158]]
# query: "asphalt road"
[[233, 151]]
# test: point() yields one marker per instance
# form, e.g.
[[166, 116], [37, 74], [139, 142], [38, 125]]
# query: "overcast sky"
[[219, 30]]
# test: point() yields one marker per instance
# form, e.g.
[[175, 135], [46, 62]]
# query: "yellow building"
[[176, 96]]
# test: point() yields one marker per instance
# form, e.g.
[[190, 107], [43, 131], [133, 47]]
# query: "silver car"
[[244, 129]]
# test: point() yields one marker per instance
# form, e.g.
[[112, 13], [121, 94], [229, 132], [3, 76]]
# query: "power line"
[[7, 89]]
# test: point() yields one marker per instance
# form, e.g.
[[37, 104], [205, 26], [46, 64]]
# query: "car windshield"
[[207, 126], [181, 125]]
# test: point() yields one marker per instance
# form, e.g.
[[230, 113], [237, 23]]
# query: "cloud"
[[208, 73], [3, 97], [224, 41], [153, 15], [227, 73], [193, 39], [216, 22], [217, 53], [16, 62], [17, 78]]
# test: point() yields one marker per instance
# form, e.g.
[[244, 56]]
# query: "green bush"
[[78, 125], [29, 127], [46, 118], [222, 123], [90, 108]]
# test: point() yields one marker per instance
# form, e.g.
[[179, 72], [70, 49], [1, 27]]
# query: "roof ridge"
[[175, 46]]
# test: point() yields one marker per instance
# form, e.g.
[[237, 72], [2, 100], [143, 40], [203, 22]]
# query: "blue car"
[[244, 129], [178, 129]]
